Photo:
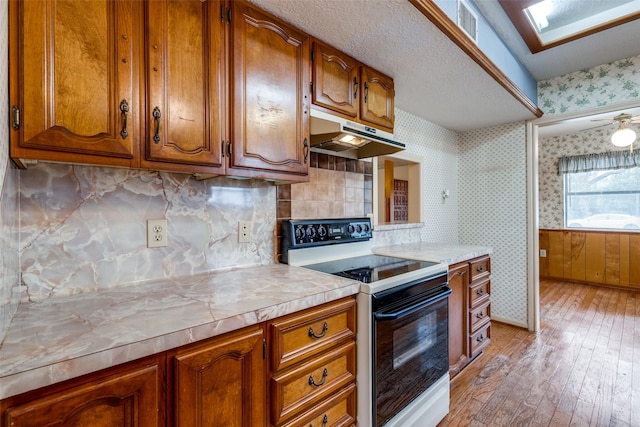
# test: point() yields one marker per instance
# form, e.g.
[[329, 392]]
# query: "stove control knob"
[[350, 228], [311, 232], [322, 231], [366, 228], [299, 234], [359, 228]]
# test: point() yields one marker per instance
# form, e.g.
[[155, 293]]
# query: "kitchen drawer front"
[[480, 267], [479, 316], [308, 384], [479, 340], [310, 332], [338, 410], [479, 293]]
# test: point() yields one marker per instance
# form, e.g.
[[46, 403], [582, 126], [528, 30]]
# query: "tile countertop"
[[52, 340], [449, 253]]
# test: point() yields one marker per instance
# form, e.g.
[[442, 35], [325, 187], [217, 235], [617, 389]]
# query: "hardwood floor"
[[581, 369]]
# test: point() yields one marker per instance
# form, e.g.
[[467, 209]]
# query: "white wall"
[[493, 211], [437, 150]]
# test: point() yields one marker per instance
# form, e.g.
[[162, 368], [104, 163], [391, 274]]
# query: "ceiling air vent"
[[468, 20]]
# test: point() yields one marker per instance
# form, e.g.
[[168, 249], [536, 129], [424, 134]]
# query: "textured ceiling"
[[434, 79]]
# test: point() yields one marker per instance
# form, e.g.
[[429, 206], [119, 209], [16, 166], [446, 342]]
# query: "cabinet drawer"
[[311, 332], [479, 293], [479, 340], [308, 384], [480, 267], [479, 316], [338, 410]]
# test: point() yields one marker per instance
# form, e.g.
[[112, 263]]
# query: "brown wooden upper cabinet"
[[213, 87], [345, 86], [74, 82]]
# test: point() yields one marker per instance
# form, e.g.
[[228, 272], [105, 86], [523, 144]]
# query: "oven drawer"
[[338, 410], [479, 340], [479, 316], [480, 267], [300, 335], [307, 384], [479, 293]]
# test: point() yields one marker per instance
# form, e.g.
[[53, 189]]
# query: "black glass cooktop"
[[370, 268]]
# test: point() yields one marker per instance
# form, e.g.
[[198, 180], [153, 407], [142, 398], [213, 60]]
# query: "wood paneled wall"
[[596, 257]]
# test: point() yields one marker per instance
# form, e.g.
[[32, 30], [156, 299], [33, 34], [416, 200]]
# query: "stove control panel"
[[316, 232]]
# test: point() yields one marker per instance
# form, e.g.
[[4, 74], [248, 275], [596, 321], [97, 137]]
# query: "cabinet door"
[[458, 282], [270, 96], [376, 105], [129, 398], [74, 81], [222, 382], [335, 80], [186, 84]]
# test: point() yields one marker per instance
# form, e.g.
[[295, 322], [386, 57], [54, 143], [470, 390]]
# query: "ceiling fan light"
[[623, 137]]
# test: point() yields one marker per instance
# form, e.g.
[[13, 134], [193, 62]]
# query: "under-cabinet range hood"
[[344, 138]]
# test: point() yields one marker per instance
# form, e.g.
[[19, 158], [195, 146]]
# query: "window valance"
[[621, 159]]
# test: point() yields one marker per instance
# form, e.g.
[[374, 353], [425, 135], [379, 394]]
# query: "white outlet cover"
[[156, 233]]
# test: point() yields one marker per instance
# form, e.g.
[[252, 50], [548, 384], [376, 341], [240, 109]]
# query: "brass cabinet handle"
[[312, 382], [15, 112], [325, 328], [480, 269], [156, 116], [480, 292], [366, 92], [325, 421], [480, 315], [480, 338], [124, 109], [305, 144], [355, 86]]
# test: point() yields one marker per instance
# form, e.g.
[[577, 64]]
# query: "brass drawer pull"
[[312, 382], [480, 315], [480, 292], [325, 421], [480, 269], [325, 328], [480, 338]]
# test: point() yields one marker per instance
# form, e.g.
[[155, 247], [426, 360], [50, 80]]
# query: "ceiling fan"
[[623, 136]]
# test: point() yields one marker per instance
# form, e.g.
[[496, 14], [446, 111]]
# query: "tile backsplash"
[[84, 228]]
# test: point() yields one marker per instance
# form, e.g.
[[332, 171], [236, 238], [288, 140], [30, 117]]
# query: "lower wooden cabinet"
[[308, 359], [313, 366], [221, 382], [469, 311], [127, 395], [458, 343]]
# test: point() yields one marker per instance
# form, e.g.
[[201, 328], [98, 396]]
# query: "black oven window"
[[414, 339]]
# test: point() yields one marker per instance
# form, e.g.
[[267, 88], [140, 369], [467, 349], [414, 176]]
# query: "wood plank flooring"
[[581, 369]]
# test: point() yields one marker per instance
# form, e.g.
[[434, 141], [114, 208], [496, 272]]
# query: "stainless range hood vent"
[[344, 138]]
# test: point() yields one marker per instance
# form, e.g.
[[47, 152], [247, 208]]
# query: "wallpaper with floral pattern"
[[606, 84], [550, 184], [591, 88]]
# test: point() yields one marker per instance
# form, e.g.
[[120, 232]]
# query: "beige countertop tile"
[[59, 338]]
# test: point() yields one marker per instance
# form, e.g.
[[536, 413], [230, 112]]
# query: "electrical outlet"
[[156, 233], [543, 253], [244, 231]]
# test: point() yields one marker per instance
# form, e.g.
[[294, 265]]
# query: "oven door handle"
[[412, 308]]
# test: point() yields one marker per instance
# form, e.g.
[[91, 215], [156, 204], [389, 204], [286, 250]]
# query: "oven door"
[[411, 343]]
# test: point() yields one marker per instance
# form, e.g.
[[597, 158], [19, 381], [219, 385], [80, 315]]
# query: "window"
[[606, 198]]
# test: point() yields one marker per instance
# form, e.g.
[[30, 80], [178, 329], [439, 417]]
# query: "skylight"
[[548, 23]]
